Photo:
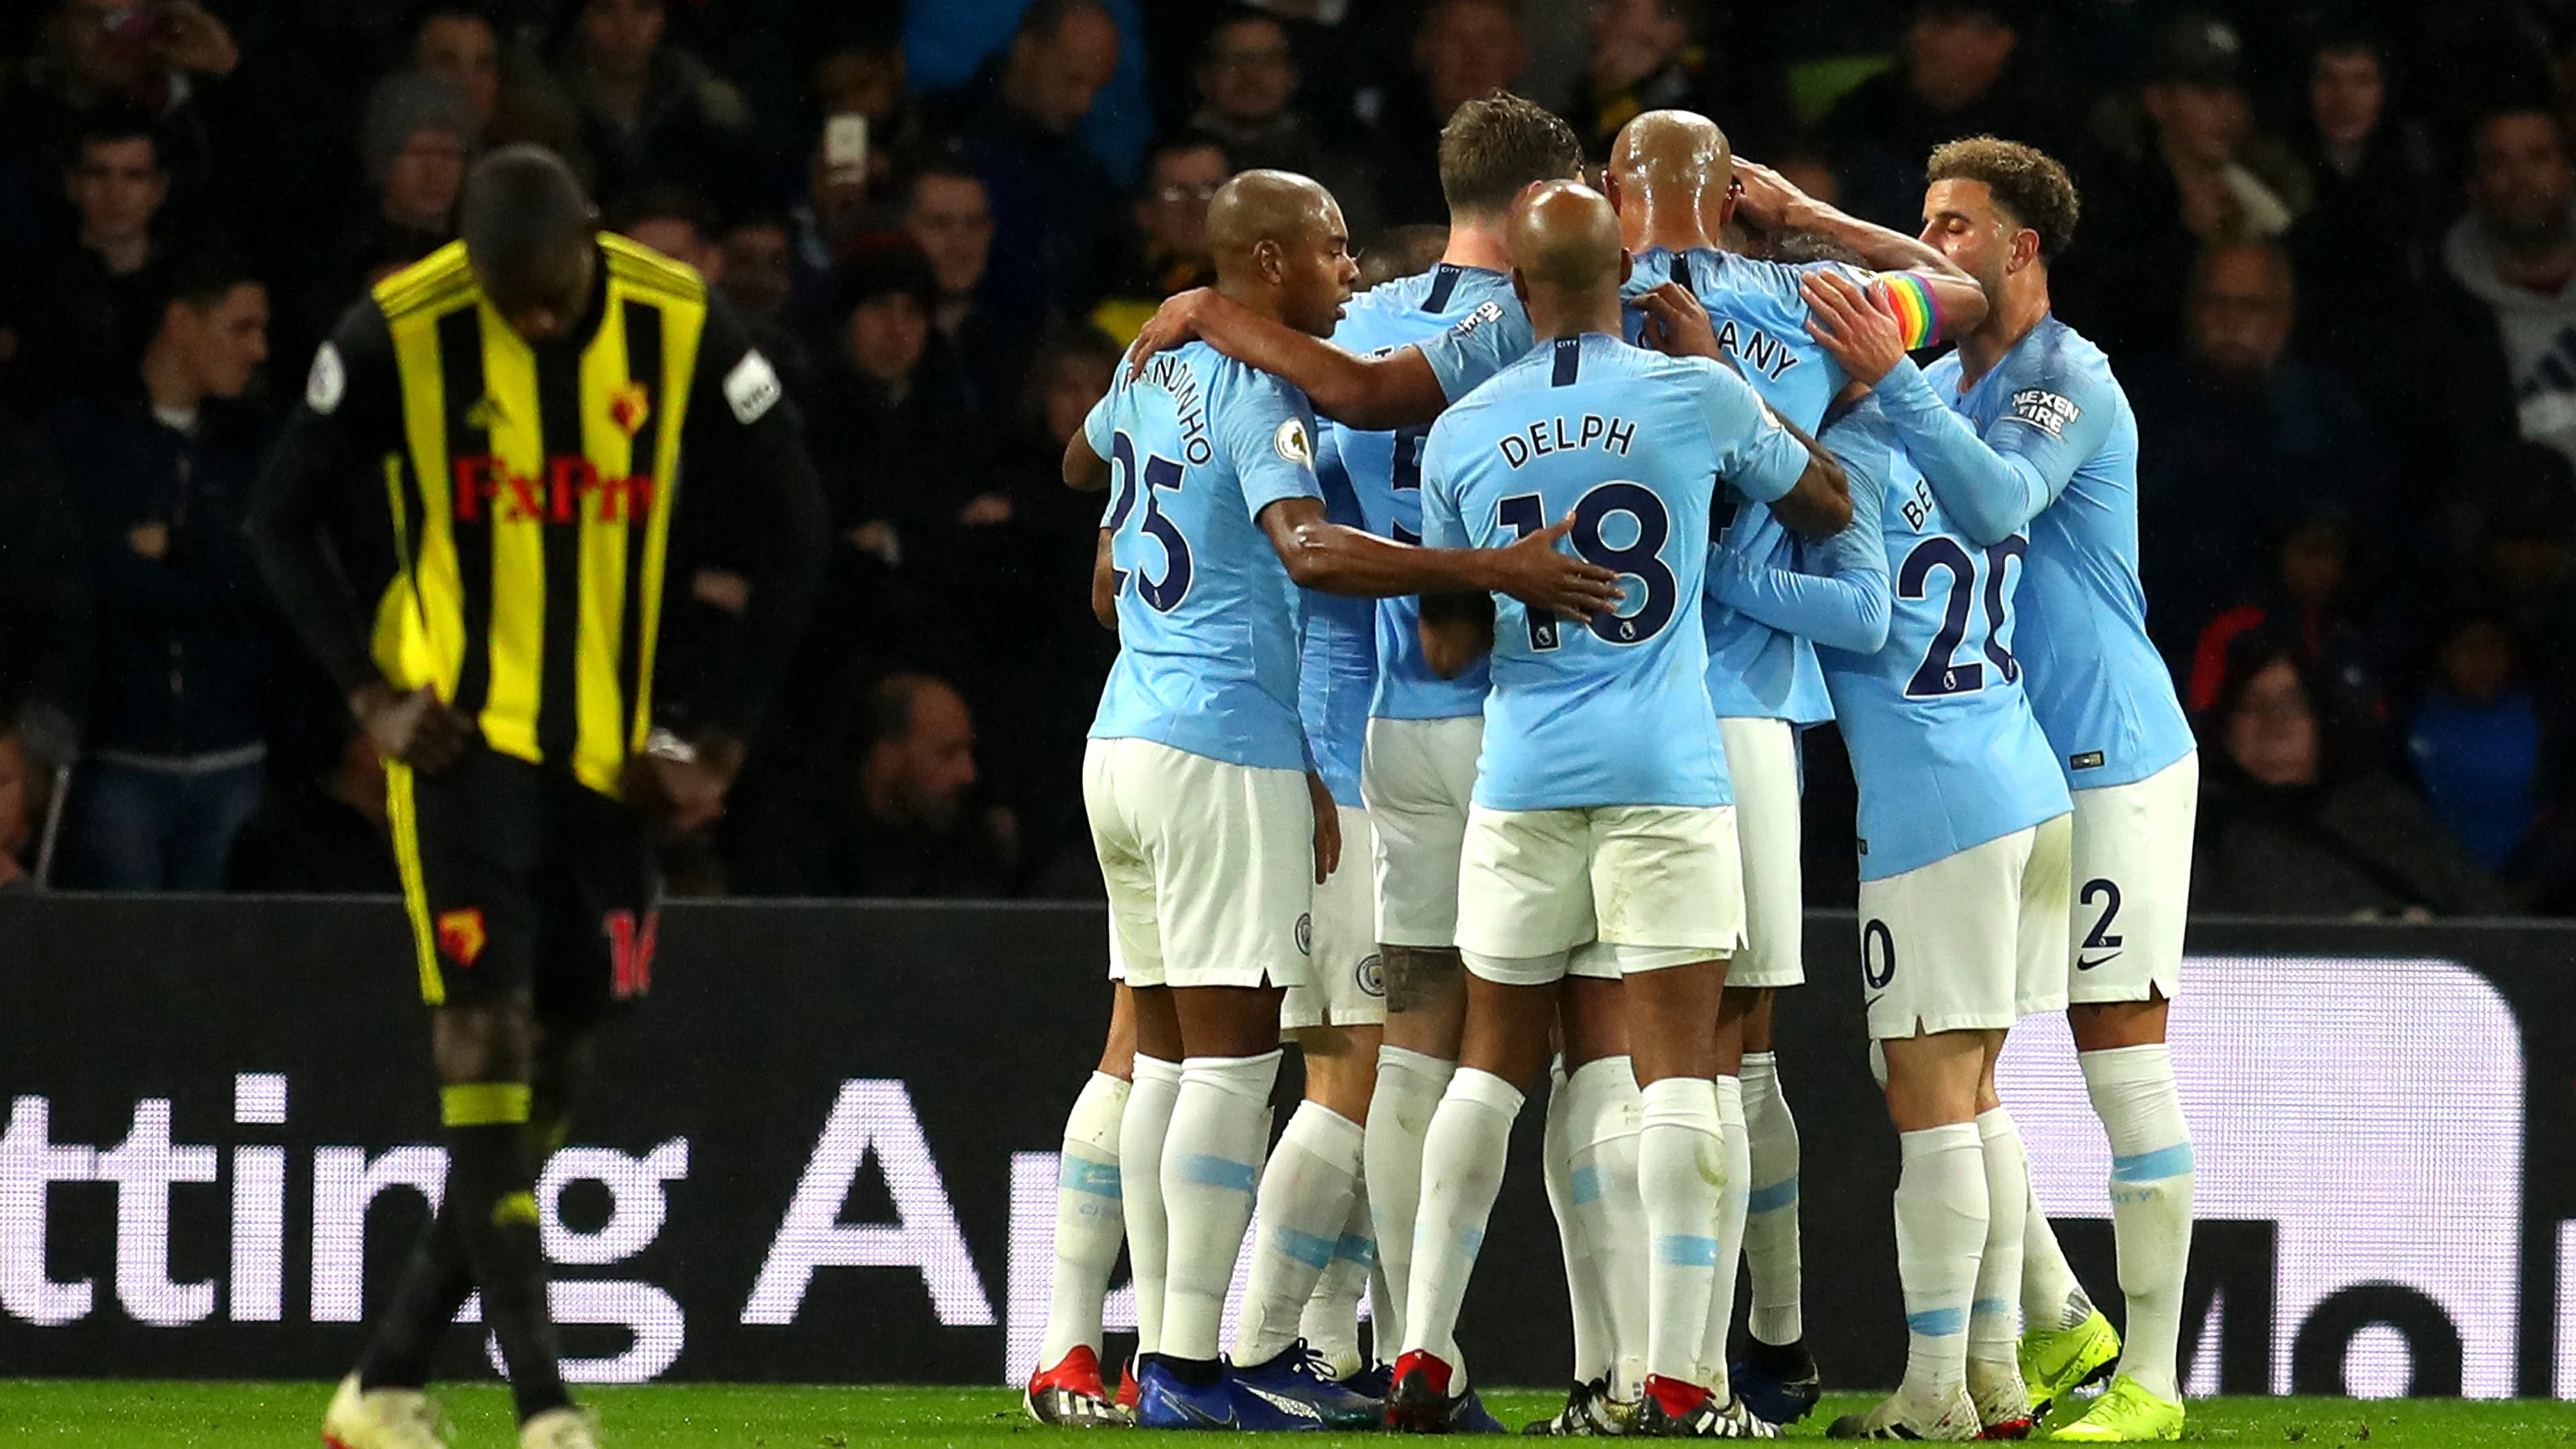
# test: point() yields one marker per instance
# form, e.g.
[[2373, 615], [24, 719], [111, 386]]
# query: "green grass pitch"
[[749, 1416]]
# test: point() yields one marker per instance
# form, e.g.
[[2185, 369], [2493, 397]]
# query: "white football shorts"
[[1605, 891], [2132, 878], [1210, 866], [1762, 763], [1415, 777], [1969, 942], [1344, 986]]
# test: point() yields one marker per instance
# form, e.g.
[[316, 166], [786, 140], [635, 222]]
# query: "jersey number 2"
[[1163, 595], [1526, 513]]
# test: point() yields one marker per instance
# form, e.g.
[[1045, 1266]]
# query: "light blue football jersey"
[[2046, 443], [1915, 630], [1385, 471], [1613, 712], [1337, 657], [1207, 619]]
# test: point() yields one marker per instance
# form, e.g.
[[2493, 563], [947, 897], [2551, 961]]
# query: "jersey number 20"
[[1163, 595], [1526, 513], [1940, 672]]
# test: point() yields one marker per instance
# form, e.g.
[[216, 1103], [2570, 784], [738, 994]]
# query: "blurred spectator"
[[2500, 347], [48, 621], [323, 834], [1403, 252], [2197, 176], [22, 811], [1698, 55], [456, 41], [85, 305], [2297, 818], [1462, 50], [1020, 124], [2476, 740], [2247, 442], [951, 220], [1170, 253], [117, 56], [858, 70], [1247, 81], [651, 111], [2369, 231], [414, 143], [759, 274], [2308, 604], [895, 821], [1964, 69], [675, 221], [174, 759], [2522, 559]]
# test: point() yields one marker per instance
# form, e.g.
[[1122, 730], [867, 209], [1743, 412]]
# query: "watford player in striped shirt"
[[523, 406]]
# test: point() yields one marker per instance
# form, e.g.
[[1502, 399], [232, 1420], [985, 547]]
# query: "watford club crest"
[[460, 935], [628, 407]]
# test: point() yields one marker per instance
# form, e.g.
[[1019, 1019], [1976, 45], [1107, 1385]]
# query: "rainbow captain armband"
[[1909, 296]]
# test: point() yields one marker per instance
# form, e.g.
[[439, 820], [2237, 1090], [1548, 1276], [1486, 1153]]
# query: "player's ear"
[[1268, 259], [2025, 248]]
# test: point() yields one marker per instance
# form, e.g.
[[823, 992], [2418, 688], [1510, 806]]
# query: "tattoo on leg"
[[1417, 975]]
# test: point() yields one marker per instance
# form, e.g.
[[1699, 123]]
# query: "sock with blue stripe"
[[1211, 1162], [1593, 1354], [1994, 1320], [1409, 1085], [1090, 1220], [1681, 1164], [1603, 1111], [1142, 1129], [1462, 1173], [1305, 1203], [2151, 1193], [1331, 1325], [1940, 1236], [1771, 1205]]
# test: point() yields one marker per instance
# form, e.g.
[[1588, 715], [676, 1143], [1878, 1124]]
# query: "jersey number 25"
[[1163, 595]]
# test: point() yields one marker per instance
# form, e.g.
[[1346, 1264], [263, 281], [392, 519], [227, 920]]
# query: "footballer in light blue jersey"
[[1208, 630], [1338, 651], [1385, 472], [1914, 628], [2046, 443], [1614, 712]]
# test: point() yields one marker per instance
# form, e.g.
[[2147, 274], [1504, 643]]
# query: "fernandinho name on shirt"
[[1173, 375], [1611, 435]]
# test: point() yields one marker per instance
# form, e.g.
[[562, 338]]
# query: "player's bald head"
[[528, 231], [1676, 150], [1264, 206], [1564, 236]]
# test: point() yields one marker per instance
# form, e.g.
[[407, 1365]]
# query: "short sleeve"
[[1268, 433], [2054, 418], [1477, 346], [1756, 456], [1095, 423], [1442, 524]]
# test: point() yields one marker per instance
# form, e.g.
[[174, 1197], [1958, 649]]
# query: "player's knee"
[[483, 1042]]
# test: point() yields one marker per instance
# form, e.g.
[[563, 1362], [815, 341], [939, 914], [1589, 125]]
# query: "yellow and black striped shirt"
[[531, 493]]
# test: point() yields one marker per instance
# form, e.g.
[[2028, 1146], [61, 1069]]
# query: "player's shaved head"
[[1681, 150], [1565, 238], [1263, 206], [528, 231], [1280, 247]]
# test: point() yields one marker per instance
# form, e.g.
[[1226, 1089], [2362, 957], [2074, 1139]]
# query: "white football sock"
[[1409, 1084], [1089, 1222], [1771, 1204], [2050, 1296], [2151, 1196], [1994, 1320], [1603, 1114], [1940, 1234], [1736, 1153], [1593, 1354], [1681, 1163], [1305, 1200], [1331, 1325], [1463, 1157], [1211, 1162], [1141, 1130]]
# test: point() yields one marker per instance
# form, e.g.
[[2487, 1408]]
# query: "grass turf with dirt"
[[149, 1415]]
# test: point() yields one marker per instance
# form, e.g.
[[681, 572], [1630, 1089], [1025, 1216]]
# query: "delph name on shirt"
[[1611, 435]]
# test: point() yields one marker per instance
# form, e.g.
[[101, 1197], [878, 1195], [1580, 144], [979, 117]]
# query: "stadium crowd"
[[2331, 251]]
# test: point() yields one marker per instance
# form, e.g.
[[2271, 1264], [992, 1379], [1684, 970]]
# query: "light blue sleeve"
[[1838, 596], [1755, 455], [1095, 424], [1477, 346], [1996, 484], [1266, 431], [1442, 524]]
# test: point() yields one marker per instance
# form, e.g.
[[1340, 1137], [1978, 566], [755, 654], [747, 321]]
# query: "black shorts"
[[521, 880]]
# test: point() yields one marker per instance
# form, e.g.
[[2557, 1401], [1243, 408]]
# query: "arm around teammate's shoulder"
[[1371, 394], [1766, 457]]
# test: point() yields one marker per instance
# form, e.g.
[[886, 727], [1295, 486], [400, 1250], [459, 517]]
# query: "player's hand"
[[679, 785], [1328, 827], [419, 729], [1852, 325], [1676, 323], [1534, 572], [1172, 324], [1764, 199]]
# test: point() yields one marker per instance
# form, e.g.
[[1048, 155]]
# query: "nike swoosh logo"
[[1296, 1407], [2083, 965]]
